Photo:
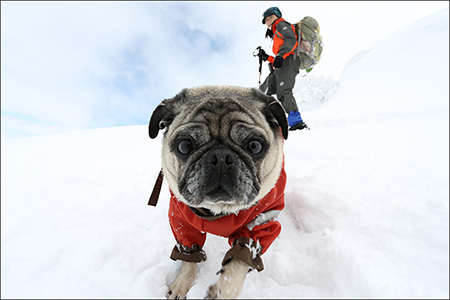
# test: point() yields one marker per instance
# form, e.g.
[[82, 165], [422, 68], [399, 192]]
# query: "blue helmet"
[[271, 11]]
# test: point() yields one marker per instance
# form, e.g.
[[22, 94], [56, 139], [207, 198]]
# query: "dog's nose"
[[221, 157]]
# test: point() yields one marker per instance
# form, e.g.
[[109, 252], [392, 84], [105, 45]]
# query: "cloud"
[[79, 65]]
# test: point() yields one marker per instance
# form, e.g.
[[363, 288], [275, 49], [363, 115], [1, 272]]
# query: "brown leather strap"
[[189, 254], [246, 251], [156, 190]]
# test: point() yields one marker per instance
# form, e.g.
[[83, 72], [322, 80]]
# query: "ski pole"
[[260, 62]]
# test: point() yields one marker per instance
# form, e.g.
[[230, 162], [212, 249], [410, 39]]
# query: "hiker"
[[284, 67]]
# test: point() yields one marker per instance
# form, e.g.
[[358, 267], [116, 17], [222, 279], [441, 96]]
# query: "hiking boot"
[[299, 126]]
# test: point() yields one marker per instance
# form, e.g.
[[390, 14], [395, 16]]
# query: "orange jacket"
[[256, 222], [284, 39]]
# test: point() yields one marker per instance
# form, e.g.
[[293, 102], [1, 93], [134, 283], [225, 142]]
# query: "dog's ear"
[[280, 115], [160, 119]]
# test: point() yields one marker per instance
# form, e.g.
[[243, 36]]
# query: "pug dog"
[[223, 158]]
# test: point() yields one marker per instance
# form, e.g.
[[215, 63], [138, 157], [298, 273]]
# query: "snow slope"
[[366, 201]]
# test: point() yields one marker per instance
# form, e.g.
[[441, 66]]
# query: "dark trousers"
[[282, 81]]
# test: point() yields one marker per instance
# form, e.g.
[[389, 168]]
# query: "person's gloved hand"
[[278, 62], [264, 55]]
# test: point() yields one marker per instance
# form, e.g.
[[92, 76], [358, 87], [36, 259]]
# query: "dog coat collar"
[[206, 214]]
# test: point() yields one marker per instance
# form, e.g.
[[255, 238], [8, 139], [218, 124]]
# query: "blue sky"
[[80, 65]]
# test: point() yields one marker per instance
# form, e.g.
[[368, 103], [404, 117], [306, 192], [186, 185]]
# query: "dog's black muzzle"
[[221, 167]]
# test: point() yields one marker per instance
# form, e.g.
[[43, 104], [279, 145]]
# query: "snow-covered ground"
[[366, 202]]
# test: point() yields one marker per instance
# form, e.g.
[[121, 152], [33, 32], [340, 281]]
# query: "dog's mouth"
[[219, 195], [218, 201]]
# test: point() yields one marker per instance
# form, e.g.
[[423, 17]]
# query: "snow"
[[367, 196]]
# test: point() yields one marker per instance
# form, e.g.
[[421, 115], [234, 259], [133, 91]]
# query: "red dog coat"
[[256, 224]]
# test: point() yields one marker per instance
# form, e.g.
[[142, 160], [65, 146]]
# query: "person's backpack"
[[310, 43]]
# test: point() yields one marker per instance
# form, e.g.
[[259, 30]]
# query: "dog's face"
[[223, 147]]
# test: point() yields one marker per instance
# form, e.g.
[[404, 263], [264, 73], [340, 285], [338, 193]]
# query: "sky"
[[68, 66]]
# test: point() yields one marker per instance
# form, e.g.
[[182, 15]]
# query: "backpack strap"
[[156, 189], [299, 39]]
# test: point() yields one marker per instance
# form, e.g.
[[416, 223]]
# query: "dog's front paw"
[[213, 292], [221, 290], [185, 280], [178, 290], [231, 281]]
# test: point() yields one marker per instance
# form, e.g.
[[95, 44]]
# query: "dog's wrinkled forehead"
[[218, 108], [220, 119]]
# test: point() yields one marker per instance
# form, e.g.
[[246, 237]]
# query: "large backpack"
[[310, 43]]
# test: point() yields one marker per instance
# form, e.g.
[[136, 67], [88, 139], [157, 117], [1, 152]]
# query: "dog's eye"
[[255, 147], [185, 147]]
